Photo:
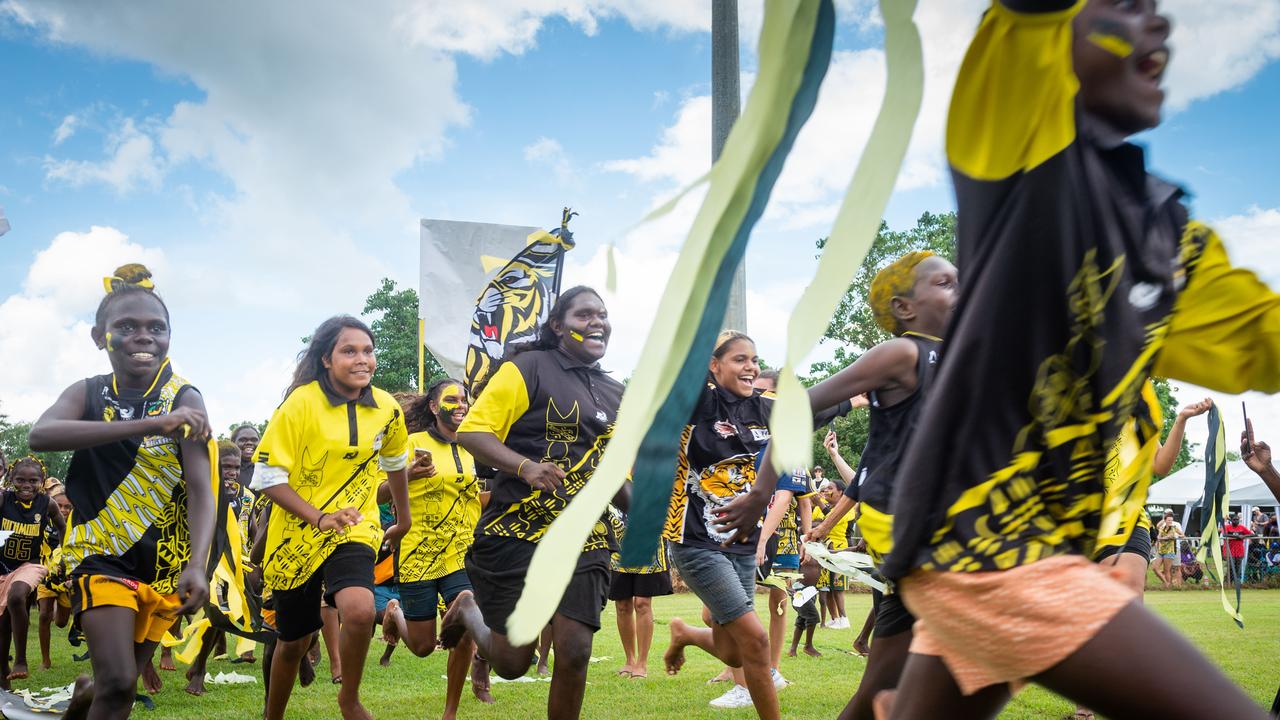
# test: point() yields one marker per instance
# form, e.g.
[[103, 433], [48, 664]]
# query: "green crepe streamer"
[[856, 224], [786, 38], [1213, 506]]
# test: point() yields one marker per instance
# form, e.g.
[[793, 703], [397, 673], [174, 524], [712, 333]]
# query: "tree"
[[13, 442], [1169, 409], [396, 328], [854, 329]]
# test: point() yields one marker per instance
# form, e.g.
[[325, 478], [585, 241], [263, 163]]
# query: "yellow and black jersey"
[[618, 523], [801, 485], [547, 407], [889, 429], [334, 451], [717, 463], [445, 509], [130, 498], [1082, 275], [28, 525]]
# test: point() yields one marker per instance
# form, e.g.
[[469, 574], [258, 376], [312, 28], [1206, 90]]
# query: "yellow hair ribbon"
[[114, 283]]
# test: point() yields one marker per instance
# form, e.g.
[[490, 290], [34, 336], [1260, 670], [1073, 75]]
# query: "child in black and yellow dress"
[[53, 596], [140, 482], [325, 451]]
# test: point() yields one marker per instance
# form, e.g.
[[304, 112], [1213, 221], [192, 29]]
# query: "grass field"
[[414, 688]]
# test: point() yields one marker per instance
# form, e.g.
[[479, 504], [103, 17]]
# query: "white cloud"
[[1218, 46], [66, 129], [549, 153], [131, 161], [1251, 238], [44, 328]]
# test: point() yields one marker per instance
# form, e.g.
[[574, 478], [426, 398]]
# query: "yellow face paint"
[[450, 405], [576, 336], [109, 347], [1114, 44]]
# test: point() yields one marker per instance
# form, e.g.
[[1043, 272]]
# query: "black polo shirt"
[[547, 407]]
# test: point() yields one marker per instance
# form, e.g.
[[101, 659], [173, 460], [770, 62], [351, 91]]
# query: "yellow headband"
[[894, 280]]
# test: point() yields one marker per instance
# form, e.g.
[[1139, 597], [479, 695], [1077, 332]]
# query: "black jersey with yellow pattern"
[[1082, 275], [717, 463], [618, 524], [551, 408], [130, 497], [28, 525]]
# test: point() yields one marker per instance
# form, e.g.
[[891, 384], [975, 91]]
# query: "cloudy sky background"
[[271, 162]]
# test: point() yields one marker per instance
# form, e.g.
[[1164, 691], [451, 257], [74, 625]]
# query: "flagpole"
[[726, 104], [422, 355]]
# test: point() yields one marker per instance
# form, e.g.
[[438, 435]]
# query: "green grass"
[[414, 688]]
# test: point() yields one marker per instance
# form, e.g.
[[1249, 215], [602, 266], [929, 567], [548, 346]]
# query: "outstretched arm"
[[1168, 452]]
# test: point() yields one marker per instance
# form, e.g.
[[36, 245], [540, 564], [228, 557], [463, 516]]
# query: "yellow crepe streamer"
[[785, 40], [791, 425]]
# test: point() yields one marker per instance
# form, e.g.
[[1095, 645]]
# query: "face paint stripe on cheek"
[[576, 335], [1112, 37]]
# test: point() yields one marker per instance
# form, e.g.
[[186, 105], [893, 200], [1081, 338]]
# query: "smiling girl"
[[543, 422], [139, 479], [326, 450]]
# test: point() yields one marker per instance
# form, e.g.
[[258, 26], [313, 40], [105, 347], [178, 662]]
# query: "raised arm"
[[1168, 452]]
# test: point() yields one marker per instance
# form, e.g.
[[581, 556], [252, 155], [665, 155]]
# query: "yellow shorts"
[[156, 613], [62, 596]]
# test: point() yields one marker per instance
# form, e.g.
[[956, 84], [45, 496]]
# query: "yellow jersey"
[[445, 509]]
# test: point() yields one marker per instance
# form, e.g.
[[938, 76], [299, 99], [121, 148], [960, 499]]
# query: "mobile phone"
[[419, 452]]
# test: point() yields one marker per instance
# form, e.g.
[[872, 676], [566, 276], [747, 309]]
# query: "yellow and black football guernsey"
[[1082, 275], [29, 524], [334, 450], [445, 509], [801, 485], [889, 429], [130, 499], [547, 407], [618, 523]]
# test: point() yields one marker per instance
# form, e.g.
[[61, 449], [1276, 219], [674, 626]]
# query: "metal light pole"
[[726, 103]]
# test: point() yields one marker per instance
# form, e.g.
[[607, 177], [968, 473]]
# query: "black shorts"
[[770, 554], [625, 586], [298, 610], [807, 614], [892, 617], [497, 567], [1139, 543]]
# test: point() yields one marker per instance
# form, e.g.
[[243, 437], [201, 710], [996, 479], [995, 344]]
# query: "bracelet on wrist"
[[520, 467], [320, 519]]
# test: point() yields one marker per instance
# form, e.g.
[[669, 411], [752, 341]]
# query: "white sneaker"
[[842, 623], [737, 697], [779, 682]]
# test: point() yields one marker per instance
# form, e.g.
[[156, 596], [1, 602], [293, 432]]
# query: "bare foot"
[[639, 672], [151, 681], [480, 680], [791, 652], [81, 699], [452, 627], [811, 651], [46, 664], [543, 668], [20, 671], [725, 675], [882, 703], [352, 710], [673, 658], [390, 630], [166, 660], [313, 652], [195, 682], [861, 647], [385, 660], [306, 672]]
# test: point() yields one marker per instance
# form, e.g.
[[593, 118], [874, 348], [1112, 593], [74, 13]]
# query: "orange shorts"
[[1008, 625], [156, 613]]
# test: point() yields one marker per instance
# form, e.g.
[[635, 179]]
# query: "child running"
[[912, 298], [326, 450], [139, 480], [1084, 276], [543, 422], [29, 514], [444, 497], [53, 597]]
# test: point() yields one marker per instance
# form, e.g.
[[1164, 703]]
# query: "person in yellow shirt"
[[323, 455], [444, 498]]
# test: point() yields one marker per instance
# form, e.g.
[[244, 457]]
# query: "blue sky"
[[272, 170]]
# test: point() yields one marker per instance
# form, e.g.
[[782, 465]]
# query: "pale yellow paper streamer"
[[785, 39], [855, 566], [791, 425]]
